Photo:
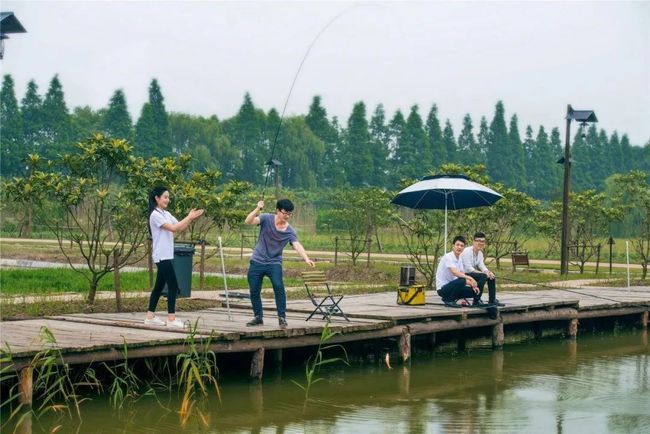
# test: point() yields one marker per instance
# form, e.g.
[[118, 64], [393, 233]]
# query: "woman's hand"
[[195, 213]]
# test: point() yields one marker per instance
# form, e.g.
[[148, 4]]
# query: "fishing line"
[[293, 83]]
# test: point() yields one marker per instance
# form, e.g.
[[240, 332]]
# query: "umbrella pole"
[[445, 247], [225, 282]]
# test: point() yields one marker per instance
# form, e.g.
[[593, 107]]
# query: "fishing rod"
[[568, 290], [293, 83]]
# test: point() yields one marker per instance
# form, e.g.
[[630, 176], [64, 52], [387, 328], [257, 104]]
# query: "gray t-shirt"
[[271, 241]]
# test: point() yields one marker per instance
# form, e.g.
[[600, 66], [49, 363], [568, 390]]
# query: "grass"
[[136, 304], [61, 280]]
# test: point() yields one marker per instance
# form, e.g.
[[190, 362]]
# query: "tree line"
[[316, 150]]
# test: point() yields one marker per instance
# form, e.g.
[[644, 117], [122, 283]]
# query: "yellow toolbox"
[[412, 295]]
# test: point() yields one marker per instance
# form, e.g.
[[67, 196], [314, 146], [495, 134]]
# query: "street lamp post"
[[584, 117], [8, 24]]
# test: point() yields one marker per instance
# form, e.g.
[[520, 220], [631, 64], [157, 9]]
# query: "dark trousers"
[[256, 273], [481, 278], [456, 289], [166, 274]]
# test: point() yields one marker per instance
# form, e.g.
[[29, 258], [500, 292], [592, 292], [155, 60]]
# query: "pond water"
[[598, 384]]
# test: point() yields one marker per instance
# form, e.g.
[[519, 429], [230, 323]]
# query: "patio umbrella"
[[446, 192]]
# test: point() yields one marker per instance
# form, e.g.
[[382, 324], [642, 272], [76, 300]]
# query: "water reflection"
[[595, 384]]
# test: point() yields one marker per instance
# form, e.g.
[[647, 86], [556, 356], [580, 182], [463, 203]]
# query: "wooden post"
[[257, 364], [432, 341], [643, 321], [117, 283], [202, 265], [25, 387], [336, 250], [572, 330], [368, 244], [597, 257], [497, 335], [405, 345]]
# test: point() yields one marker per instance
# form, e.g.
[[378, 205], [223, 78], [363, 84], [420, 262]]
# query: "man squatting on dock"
[[452, 282], [275, 233], [474, 266]]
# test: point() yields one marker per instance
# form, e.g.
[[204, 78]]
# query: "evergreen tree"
[[85, 122], [247, 134], [586, 160], [482, 139], [145, 131], [56, 121], [601, 159], [412, 153], [468, 148], [449, 142], [379, 142], [498, 165], [32, 111], [152, 135], [319, 124], [557, 170], [626, 154], [615, 155], [516, 154], [357, 160], [543, 164], [11, 134], [301, 155], [117, 121], [396, 128], [529, 152], [434, 134]]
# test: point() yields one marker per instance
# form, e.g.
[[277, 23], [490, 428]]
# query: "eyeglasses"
[[287, 213]]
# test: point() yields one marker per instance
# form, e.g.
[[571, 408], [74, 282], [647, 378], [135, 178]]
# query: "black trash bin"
[[183, 257]]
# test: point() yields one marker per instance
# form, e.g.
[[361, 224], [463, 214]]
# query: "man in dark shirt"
[[275, 233]]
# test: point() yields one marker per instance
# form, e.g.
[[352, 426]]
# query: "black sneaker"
[[496, 302], [478, 302], [283, 322], [255, 321], [451, 303]]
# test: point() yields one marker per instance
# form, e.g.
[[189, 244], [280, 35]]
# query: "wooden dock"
[[89, 338]]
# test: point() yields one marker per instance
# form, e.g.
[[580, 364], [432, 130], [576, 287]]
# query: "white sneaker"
[[177, 323], [154, 321]]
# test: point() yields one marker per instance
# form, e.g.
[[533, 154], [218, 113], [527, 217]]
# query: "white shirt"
[[163, 240], [473, 261], [443, 273]]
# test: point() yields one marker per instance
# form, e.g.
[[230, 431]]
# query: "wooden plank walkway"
[[84, 338]]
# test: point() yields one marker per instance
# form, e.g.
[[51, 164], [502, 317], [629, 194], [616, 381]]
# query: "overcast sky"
[[464, 56]]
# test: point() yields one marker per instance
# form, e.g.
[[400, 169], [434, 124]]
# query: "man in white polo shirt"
[[451, 281]]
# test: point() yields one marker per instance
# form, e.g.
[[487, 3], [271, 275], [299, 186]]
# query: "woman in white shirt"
[[162, 226]]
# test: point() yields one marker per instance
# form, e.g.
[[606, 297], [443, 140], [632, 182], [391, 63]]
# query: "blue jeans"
[[256, 273]]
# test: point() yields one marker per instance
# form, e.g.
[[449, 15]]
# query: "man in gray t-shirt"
[[275, 234]]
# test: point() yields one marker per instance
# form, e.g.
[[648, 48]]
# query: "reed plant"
[[10, 403], [197, 374], [318, 360], [125, 385]]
